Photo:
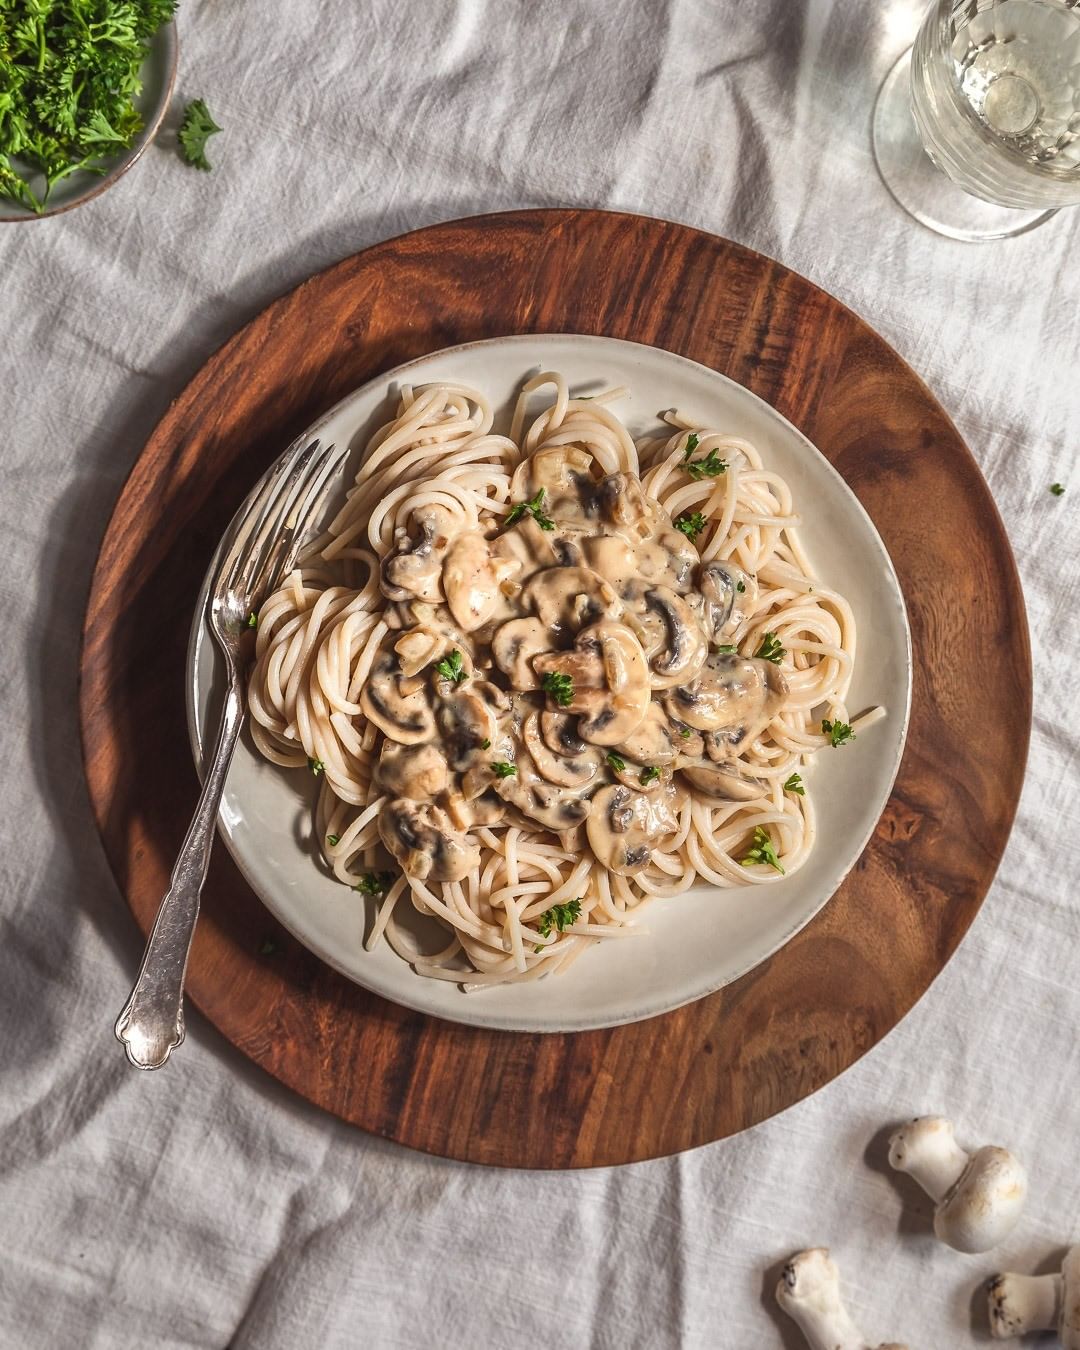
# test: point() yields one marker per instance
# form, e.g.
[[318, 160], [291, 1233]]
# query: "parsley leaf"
[[253, 620], [685, 733], [839, 733], [333, 840], [692, 443], [374, 883], [451, 668], [690, 525], [740, 586], [1058, 489], [709, 467], [535, 508], [770, 649], [485, 744], [649, 774], [560, 687], [762, 850], [726, 648], [316, 766], [503, 769], [195, 130], [615, 761], [558, 917], [794, 784]]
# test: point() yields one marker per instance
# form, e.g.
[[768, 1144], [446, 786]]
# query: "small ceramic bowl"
[[158, 78]]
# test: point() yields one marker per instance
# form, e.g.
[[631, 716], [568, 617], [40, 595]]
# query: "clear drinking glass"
[[990, 93]]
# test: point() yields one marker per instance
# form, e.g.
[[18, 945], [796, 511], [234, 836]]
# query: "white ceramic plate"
[[696, 942]]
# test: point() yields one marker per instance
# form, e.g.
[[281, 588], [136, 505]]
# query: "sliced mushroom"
[[423, 839], [567, 598], [514, 645], [565, 474], [560, 733], [555, 808], [652, 742], [528, 545], [483, 809], [420, 647], [625, 826], [398, 705], [414, 569], [610, 680], [667, 558], [685, 650], [730, 691], [466, 721], [725, 786], [623, 501], [471, 580], [563, 771], [418, 772], [726, 606]]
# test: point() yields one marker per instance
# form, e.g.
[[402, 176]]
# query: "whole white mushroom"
[[1023, 1303], [809, 1292], [979, 1196]]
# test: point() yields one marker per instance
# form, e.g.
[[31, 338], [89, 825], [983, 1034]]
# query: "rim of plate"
[[472, 1012]]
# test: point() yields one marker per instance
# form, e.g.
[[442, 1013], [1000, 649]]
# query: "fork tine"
[[253, 508], [269, 522], [284, 549]]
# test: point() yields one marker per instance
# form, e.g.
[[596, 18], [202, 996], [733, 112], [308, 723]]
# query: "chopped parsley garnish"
[[649, 774], [692, 443], [685, 733], [560, 687], [839, 733], [69, 78], [485, 744], [794, 784], [770, 649], [503, 769], [451, 668], [1058, 489], [740, 586], [690, 525], [535, 508], [316, 766], [269, 947], [253, 620], [559, 917], [709, 467], [762, 850], [374, 883], [726, 648], [615, 761], [333, 840], [195, 130]]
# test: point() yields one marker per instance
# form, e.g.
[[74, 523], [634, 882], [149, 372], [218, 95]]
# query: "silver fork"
[[260, 546]]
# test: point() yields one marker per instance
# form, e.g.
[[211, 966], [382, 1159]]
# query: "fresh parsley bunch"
[[69, 77]]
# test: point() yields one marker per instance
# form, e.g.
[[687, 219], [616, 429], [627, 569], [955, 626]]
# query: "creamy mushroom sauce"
[[596, 599]]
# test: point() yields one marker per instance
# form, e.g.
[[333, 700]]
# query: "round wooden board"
[[728, 1061]]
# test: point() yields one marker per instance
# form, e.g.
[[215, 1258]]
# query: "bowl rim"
[[170, 40]]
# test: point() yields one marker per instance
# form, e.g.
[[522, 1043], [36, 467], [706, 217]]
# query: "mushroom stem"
[[809, 1292], [938, 1171], [1023, 1303]]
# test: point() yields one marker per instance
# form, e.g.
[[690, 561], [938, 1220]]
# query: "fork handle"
[[152, 1022]]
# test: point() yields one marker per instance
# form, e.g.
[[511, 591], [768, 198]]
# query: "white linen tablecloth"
[[204, 1206]]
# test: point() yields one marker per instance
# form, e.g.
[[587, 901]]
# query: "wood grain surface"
[[730, 1060]]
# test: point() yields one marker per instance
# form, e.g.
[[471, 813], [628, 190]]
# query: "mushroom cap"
[[1069, 1326], [984, 1205]]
